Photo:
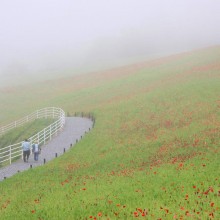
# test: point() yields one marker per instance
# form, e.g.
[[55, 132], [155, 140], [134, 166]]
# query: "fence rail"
[[41, 113], [14, 151]]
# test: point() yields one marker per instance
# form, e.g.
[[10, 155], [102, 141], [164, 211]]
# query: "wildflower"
[[135, 214], [211, 189], [206, 192], [139, 209], [166, 210], [181, 165], [211, 215]]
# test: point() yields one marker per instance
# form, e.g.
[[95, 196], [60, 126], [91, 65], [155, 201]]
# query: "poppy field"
[[154, 152]]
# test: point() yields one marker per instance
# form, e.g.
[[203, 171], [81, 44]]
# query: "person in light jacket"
[[36, 150], [26, 150]]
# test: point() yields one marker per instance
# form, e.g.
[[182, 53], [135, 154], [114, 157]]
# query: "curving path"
[[74, 129]]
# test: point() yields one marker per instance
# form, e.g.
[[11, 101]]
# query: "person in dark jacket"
[[26, 150]]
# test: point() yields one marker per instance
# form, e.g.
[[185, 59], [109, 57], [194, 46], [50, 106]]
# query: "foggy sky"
[[54, 34]]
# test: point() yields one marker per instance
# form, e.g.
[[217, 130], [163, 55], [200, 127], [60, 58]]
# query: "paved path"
[[74, 128]]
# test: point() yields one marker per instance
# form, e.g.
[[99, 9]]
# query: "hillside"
[[153, 153]]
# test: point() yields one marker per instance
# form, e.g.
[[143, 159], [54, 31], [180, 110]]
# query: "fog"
[[38, 36]]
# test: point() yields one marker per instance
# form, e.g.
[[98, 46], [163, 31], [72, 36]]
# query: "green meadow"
[[152, 154]]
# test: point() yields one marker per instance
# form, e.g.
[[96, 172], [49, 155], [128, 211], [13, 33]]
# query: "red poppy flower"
[[139, 209], [181, 165], [99, 214], [135, 214], [211, 215], [187, 213], [166, 210]]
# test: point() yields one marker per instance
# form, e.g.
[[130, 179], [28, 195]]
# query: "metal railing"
[[14, 151]]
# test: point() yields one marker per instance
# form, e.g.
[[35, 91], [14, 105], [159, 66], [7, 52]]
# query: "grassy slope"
[[19, 134], [155, 145]]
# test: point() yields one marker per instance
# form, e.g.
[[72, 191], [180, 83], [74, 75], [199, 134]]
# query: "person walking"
[[26, 150], [36, 151]]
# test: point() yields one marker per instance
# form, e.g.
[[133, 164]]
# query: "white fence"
[[14, 151]]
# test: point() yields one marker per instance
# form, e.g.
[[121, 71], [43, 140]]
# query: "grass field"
[[153, 153]]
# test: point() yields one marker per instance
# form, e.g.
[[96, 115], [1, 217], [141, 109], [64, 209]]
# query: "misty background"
[[52, 37]]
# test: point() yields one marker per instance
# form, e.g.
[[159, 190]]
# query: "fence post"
[[38, 139], [50, 132], [22, 154], [44, 136], [56, 127], [10, 154], [31, 143]]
